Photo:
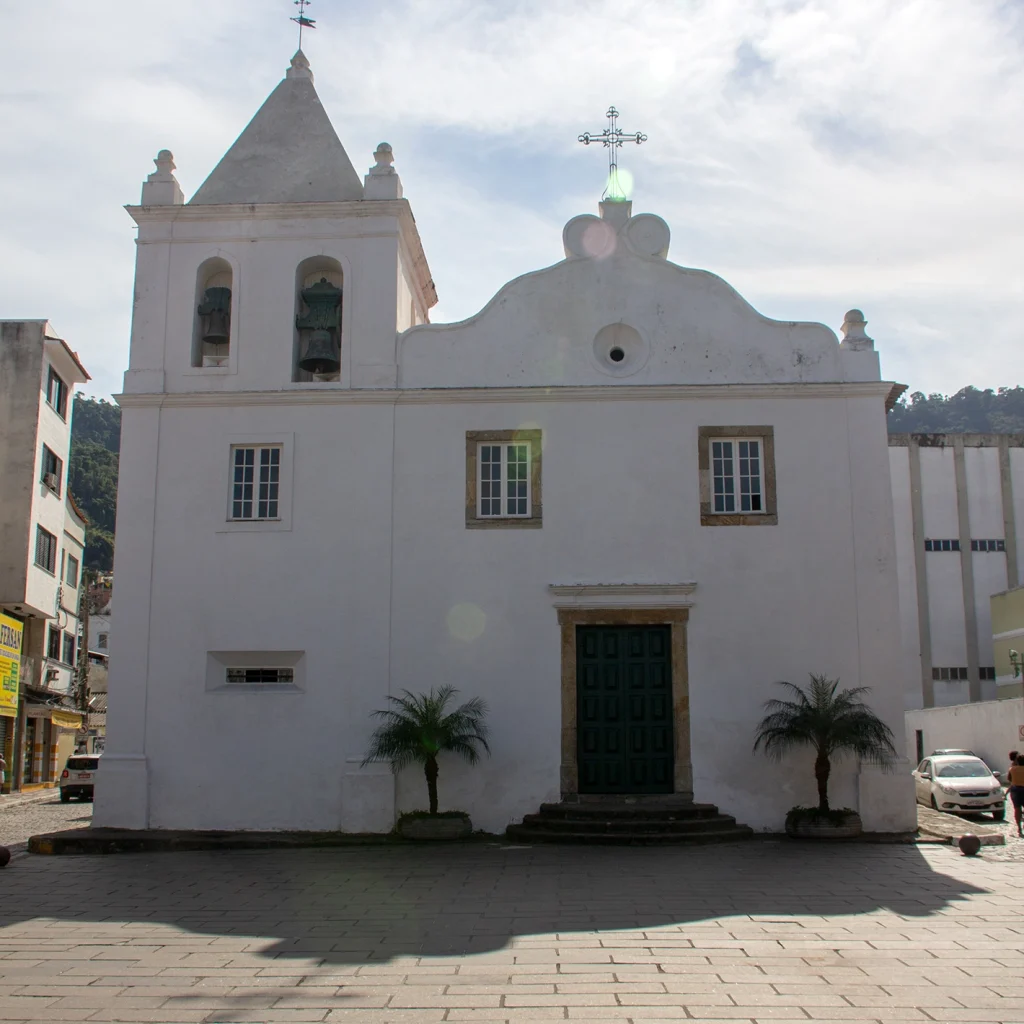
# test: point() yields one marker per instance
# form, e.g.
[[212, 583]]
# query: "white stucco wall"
[[1017, 477], [801, 595], [990, 728], [945, 592], [899, 471], [367, 580]]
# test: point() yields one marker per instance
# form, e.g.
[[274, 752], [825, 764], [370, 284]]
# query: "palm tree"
[[831, 722], [416, 728]]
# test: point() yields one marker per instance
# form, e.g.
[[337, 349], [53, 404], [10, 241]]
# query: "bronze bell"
[[215, 316], [320, 355]]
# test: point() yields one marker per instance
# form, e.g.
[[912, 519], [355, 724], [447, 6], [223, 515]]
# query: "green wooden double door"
[[624, 729]]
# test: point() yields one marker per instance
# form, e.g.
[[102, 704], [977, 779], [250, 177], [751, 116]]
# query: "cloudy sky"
[[818, 154]]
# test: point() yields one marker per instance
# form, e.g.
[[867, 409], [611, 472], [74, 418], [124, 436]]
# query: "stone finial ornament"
[[382, 182], [853, 331], [161, 188], [164, 166], [299, 67], [385, 157]]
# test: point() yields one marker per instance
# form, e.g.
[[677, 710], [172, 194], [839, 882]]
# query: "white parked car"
[[959, 782], [79, 777]]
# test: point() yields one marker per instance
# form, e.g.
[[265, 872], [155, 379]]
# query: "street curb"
[[986, 838], [93, 841]]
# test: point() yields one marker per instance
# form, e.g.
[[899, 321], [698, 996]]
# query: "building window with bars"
[[954, 674], [255, 482], [260, 676], [503, 478], [737, 476], [987, 673], [942, 545], [53, 643], [46, 551], [988, 545], [69, 649]]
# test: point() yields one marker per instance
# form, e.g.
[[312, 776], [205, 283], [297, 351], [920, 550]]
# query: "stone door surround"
[[625, 605]]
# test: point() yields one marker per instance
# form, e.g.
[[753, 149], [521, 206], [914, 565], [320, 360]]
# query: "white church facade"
[[617, 471]]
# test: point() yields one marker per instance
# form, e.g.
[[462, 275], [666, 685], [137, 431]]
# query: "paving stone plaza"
[[767, 930]]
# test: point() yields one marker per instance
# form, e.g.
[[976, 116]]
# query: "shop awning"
[[66, 719]]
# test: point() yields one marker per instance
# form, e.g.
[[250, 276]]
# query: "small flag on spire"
[[302, 21]]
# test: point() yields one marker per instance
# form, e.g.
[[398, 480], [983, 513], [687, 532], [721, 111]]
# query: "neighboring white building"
[[618, 471], [42, 537], [958, 499], [101, 627]]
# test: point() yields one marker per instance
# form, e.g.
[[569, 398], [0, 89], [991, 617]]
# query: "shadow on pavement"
[[368, 905]]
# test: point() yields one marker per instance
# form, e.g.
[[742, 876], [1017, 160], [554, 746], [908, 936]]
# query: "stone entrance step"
[[628, 821]]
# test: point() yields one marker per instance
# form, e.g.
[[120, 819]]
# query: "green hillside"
[[969, 411], [92, 474]]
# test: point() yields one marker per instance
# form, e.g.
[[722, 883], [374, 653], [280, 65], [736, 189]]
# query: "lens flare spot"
[[620, 185], [527, 425], [466, 622], [598, 240]]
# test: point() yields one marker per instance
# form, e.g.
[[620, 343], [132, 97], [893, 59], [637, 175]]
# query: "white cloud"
[[818, 154]]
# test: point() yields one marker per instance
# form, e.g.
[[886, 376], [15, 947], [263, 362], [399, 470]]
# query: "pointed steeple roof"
[[288, 153]]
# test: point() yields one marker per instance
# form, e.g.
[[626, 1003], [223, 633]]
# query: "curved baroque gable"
[[615, 310]]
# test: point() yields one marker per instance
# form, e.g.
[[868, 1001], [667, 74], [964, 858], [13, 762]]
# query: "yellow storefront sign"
[[10, 665]]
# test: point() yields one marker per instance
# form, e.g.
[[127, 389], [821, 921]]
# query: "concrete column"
[[924, 625], [18, 767], [37, 751], [122, 789], [885, 801], [966, 569], [54, 753], [1009, 521]]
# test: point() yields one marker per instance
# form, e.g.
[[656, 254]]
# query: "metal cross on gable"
[[612, 139], [302, 21]]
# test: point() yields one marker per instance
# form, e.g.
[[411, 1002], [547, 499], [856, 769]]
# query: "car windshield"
[[83, 764], [962, 770]]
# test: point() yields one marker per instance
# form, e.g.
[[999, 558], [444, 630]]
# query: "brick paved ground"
[[955, 825], [24, 816], [762, 931]]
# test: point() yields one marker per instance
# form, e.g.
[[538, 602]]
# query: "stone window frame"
[[474, 438], [708, 517], [284, 441]]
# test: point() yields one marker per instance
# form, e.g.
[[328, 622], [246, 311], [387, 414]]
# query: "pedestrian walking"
[[1016, 774]]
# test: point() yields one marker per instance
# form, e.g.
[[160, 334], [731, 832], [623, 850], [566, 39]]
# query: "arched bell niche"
[[212, 328], [316, 348]]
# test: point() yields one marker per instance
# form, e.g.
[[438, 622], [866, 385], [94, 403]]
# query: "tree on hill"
[[970, 411], [92, 474], [97, 420]]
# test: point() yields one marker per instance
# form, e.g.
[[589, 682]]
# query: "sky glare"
[[817, 154]]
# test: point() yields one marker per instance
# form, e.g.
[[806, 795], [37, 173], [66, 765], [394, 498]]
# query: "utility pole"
[[82, 677]]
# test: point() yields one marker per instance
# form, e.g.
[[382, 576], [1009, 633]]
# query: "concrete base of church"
[[367, 797], [122, 792], [886, 799]]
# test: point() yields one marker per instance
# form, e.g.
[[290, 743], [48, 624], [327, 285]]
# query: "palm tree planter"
[[831, 721], [446, 825], [415, 730]]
